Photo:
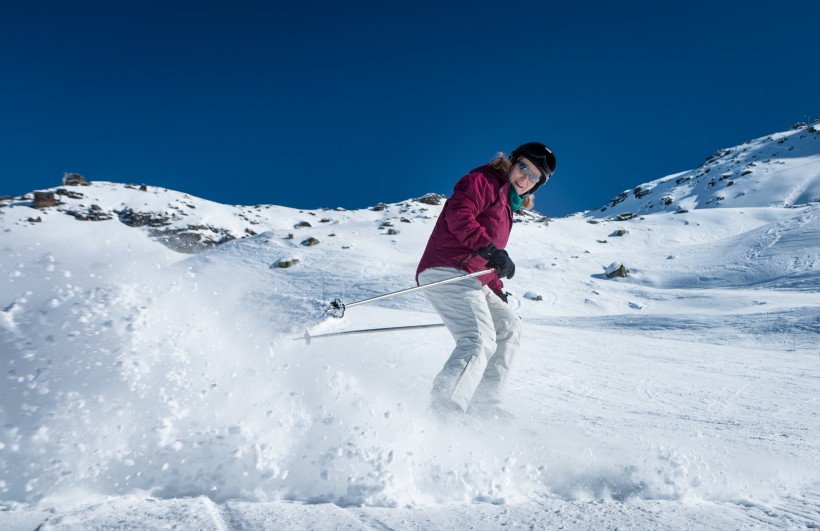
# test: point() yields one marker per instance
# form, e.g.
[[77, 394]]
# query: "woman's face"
[[520, 178]]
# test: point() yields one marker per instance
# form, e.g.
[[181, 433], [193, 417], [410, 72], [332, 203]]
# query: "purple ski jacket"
[[477, 214]]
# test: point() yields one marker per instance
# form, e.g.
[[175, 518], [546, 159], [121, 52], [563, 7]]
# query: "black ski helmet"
[[541, 156]]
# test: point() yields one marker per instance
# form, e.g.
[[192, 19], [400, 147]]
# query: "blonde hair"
[[501, 162]]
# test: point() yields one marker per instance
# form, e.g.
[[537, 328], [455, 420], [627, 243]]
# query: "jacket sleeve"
[[496, 285], [471, 196]]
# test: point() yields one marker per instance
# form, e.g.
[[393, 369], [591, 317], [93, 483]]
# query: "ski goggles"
[[529, 173]]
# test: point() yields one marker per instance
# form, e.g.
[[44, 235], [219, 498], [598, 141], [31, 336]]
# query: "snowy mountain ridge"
[[780, 170]]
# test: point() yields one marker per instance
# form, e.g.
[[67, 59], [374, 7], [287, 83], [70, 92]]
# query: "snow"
[[147, 388]]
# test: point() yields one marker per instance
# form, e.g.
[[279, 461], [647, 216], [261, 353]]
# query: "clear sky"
[[347, 104]]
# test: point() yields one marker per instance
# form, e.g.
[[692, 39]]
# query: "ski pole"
[[307, 337], [337, 307]]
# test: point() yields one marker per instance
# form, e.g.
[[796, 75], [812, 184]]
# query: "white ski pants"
[[487, 334]]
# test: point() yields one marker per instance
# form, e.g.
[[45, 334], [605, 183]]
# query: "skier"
[[470, 235]]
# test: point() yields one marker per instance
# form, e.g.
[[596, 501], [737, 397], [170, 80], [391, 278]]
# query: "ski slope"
[[149, 388]]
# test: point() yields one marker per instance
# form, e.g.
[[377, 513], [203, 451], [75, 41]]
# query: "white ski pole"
[[307, 337], [337, 308]]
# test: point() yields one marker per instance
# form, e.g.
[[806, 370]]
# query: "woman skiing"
[[470, 235]]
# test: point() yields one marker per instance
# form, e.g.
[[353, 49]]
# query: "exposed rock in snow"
[[44, 200], [75, 179], [616, 269]]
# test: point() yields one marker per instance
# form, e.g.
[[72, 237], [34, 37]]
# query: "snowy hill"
[[777, 170], [155, 375]]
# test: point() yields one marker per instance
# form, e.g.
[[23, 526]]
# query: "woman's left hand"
[[502, 263]]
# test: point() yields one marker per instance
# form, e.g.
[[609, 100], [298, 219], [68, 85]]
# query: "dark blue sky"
[[326, 104]]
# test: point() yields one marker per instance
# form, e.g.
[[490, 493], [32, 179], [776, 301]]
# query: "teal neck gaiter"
[[515, 200]]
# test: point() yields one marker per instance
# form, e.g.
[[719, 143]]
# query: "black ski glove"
[[499, 260], [503, 295]]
